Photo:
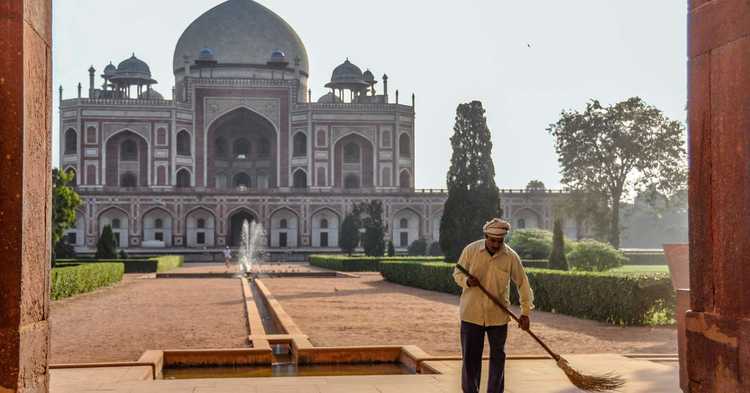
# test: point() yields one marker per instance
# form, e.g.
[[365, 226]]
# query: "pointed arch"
[[136, 149], [299, 178], [404, 145], [325, 223], [261, 135], [235, 220], [299, 144], [71, 141], [157, 225], [184, 144], [284, 228], [404, 179], [184, 178], [108, 216], [200, 227], [406, 227]]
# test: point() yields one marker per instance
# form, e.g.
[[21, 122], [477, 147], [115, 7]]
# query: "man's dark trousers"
[[472, 345]]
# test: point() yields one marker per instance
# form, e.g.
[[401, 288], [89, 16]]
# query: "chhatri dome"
[[240, 32]]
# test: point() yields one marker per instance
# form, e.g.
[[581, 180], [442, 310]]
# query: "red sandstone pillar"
[[718, 327], [25, 103]]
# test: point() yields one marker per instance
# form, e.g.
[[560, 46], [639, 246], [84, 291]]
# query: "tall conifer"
[[557, 256], [473, 197]]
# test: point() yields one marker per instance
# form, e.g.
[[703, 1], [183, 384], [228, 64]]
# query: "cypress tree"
[[557, 259], [374, 239], [391, 249], [473, 197], [349, 235], [106, 248]]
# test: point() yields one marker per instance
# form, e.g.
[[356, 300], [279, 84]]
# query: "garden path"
[[371, 311]]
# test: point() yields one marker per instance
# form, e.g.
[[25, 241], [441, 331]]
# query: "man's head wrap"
[[496, 227]]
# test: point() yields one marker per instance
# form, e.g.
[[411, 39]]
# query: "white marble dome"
[[240, 32]]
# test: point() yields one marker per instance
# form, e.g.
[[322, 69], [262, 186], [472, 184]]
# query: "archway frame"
[[103, 147], [334, 181], [208, 128]]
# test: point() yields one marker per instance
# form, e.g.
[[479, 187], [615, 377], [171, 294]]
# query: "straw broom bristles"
[[590, 383]]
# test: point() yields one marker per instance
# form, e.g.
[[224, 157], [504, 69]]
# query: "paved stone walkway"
[[523, 376]]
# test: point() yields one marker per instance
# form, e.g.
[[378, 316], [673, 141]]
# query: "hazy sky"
[[525, 60]]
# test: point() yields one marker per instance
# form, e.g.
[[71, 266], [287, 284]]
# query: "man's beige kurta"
[[494, 272]]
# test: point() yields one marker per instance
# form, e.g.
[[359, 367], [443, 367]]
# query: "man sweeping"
[[492, 264]]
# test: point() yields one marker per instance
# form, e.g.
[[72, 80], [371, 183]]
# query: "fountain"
[[252, 248]]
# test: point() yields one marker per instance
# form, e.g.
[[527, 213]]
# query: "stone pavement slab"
[[522, 376]]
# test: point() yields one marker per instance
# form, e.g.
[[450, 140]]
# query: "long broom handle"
[[515, 318]]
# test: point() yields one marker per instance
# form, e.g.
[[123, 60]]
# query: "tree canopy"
[[372, 220], [65, 201], [349, 236], [613, 150]]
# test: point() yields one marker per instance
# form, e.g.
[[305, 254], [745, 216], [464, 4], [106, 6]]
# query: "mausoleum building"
[[242, 139]]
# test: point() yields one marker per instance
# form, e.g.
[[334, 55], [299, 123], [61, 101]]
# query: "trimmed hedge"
[[622, 299], [433, 276], [535, 263], [168, 262], [71, 280], [646, 258], [344, 263], [150, 265]]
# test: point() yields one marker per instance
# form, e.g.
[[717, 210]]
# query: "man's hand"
[[472, 282], [524, 322]]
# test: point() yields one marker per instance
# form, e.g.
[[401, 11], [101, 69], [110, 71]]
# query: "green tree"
[[557, 255], [391, 249], [349, 235], [588, 209], [535, 185], [106, 247], [65, 201], [473, 197], [435, 250], [614, 150], [418, 248], [372, 221]]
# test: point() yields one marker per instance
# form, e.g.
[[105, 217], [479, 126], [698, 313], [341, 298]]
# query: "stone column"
[[718, 326], [25, 123]]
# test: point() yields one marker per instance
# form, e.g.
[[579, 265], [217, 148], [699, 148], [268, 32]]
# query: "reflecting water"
[[290, 370]]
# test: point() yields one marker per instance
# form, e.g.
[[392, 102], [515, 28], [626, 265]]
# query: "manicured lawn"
[[641, 269]]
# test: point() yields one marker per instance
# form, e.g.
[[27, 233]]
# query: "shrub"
[[123, 254], [391, 249], [106, 246], [435, 250], [531, 243], [71, 280], [64, 250], [418, 248], [591, 255]]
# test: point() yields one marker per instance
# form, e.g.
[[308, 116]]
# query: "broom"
[[589, 383]]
